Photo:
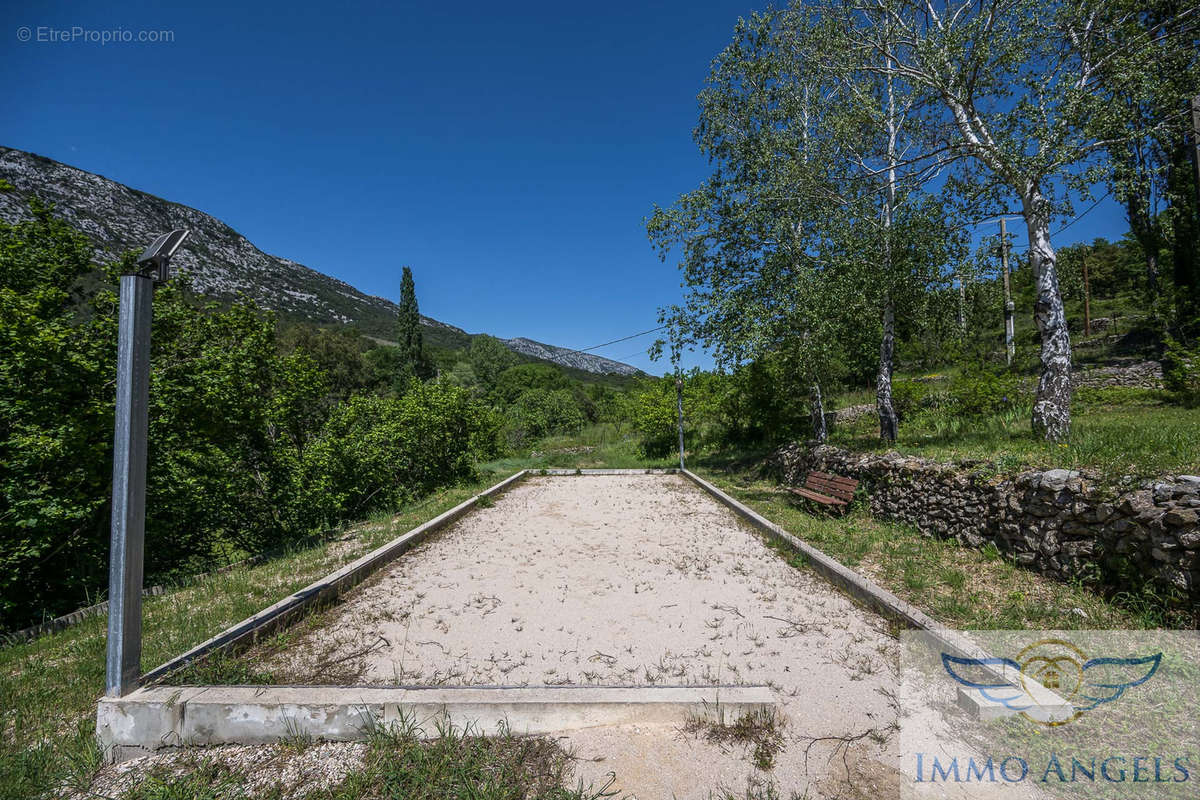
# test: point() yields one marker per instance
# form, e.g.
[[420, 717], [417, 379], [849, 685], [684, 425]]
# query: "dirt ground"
[[628, 580]]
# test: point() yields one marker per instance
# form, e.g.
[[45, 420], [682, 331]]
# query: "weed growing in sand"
[[760, 731], [296, 741], [205, 780], [401, 760]]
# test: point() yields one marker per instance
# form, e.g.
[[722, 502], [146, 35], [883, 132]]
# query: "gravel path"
[[624, 580]]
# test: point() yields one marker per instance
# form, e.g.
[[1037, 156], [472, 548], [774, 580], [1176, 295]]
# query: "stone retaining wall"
[[1057, 522], [1142, 375]]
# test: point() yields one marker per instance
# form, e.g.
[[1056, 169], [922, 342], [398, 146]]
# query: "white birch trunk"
[[1052, 405], [820, 432], [888, 422]]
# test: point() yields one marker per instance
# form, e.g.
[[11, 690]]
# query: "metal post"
[[1010, 347], [124, 664], [679, 409]]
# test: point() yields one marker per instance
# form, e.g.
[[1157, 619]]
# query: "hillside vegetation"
[[264, 432]]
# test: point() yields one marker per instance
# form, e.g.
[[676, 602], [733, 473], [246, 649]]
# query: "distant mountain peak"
[[568, 357], [220, 261]]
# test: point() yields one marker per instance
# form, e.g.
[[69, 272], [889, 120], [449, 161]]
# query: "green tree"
[[412, 359], [1149, 169], [540, 412], [515, 381], [488, 358], [56, 370], [1018, 91], [814, 224]]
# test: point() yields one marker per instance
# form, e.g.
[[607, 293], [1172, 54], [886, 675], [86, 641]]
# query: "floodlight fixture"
[[157, 256]]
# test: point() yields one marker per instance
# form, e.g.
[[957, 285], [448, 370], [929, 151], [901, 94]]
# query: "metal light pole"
[[124, 661]]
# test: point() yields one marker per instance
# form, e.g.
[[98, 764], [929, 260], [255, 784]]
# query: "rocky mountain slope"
[[220, 261], [568, 358]]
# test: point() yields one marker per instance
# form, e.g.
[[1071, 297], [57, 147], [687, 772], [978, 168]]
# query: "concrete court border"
[[155, 716], [167, 716]]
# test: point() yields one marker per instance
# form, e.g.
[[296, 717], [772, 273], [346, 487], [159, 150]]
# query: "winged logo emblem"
[[1054, 664]]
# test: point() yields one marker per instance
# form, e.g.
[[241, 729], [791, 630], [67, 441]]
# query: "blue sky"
[[507, 152]]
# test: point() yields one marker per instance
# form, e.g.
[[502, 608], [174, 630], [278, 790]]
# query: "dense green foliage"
[[259, 437], [1181, 372], [853, 146]]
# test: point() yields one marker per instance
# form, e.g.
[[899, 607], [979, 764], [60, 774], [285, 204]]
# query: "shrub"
[[377, 452], [983, 393], [249, 447], [656, 417], [1181, 372], [909, 397], [539, 412]]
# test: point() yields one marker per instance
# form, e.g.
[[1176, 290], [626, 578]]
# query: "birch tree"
[[744, 242], [1018, 86], [803, 229], [881, 183]]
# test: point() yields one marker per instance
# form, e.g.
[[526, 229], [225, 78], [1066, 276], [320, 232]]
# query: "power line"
[[622, 339], [1089, 210]]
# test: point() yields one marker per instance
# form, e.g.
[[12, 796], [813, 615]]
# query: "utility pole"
[[679, 409], [1087, 300], [123, 665], [1009, 344]]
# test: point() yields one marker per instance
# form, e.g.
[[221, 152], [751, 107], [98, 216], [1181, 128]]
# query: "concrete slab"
[[165, 716]]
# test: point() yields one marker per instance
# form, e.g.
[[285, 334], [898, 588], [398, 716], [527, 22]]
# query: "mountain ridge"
[[220, 262]]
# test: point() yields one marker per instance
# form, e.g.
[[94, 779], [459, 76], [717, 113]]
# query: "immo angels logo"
[[1056, 665]]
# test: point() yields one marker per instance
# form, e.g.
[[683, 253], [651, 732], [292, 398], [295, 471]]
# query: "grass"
[[599, 446], [959, 586], [49, 686], [1115, 432]]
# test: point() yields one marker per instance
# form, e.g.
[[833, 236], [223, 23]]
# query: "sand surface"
[[629, 580]]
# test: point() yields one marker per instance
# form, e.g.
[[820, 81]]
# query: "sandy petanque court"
[[627, 580]]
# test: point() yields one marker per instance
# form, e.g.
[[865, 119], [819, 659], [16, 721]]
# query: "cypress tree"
[[412, 361]]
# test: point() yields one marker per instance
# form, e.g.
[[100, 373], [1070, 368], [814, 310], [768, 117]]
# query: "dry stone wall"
[[1059, 522]]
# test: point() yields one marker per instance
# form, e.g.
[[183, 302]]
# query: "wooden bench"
[[827, 489]]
